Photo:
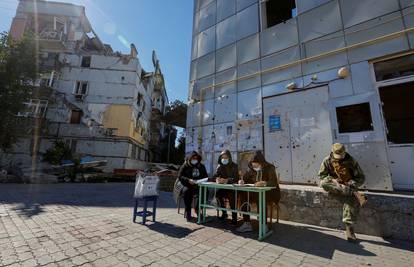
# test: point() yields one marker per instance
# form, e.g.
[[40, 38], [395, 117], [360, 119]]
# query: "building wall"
[[113, 87], [246, 64]]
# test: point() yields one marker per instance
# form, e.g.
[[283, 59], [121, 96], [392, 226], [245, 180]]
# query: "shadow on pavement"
[[30, 199], [313, 241], [301, 238], [171, 230]]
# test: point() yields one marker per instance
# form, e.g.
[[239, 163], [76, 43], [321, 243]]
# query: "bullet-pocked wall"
[[238, 62]]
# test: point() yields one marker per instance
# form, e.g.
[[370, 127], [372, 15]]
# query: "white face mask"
[[257, 169], [338, 156], [225, 161], [194, 162]]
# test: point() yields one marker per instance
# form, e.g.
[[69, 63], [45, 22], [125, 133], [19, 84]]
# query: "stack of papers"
[[201, 181]]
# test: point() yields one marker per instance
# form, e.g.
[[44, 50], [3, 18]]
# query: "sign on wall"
[[274, 123]]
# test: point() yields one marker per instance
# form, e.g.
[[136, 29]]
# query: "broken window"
[[75, 116], [35, 108], [81, 88], [394, 68], [354, 118], [398, 113], [59, 25], [86, 62], [275, 12]]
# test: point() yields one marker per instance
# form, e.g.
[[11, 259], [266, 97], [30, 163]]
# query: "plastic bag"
[[177, 191], [146, 186]]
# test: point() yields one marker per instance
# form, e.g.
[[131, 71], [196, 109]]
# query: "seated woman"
[[191, 170], [227, 172], [260, 173]]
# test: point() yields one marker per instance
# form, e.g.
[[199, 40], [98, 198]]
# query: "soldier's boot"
[[350, 234], [361, 198]]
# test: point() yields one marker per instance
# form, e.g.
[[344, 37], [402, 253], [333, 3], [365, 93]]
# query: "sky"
[[161, 25]]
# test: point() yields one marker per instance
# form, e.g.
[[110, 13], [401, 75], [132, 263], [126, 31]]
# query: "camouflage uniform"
[[350, 176]]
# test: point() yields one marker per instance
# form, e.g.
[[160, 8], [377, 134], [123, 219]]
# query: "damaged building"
[[101, 103], [292, 77]]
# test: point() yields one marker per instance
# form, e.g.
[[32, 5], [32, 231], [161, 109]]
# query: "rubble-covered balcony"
[[51, 31]]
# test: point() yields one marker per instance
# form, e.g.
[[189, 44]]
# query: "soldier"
[[341, 176]]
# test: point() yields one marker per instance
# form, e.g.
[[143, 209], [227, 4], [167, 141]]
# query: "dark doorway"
[[397, 101]]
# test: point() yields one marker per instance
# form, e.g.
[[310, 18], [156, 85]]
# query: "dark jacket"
[[346, 170], [268, 174], [229, 171], [189, 171]]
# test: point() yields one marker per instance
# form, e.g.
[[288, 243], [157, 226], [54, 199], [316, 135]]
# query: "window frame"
[[263, 15], [82, 61], [338, 122]]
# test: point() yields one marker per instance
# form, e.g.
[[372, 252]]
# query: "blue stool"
[[144, 213]]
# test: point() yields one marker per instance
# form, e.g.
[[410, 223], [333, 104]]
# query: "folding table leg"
[[134, 214], [144, 213], [154, 209]]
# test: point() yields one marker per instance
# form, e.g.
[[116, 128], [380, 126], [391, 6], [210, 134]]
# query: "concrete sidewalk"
[[91, 225]]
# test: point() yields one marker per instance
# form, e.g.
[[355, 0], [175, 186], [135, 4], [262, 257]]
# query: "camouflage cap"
[[338, 148]]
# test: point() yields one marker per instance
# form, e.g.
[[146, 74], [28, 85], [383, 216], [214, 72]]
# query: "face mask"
[[338, 156], [194, 162], [257, 169], [225, 161]]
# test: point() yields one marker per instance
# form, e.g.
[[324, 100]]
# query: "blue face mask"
[[225, 161]]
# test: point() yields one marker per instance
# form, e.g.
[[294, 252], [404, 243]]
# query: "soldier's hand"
[[352, 183]]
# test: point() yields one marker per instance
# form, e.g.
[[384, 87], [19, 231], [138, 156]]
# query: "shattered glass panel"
[[206, 65], [204, 87], [328, 21], [207, 16], [248, 49], [226, 58], [247, 22], [225, 83], [194, 48], [226, 32], [357, 11], [279, 37], [249, 105], [247, 75], [241, 4], [206, 41], [225, 108], [225, 8]]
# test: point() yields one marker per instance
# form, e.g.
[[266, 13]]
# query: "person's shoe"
[[361, 198], [234, 219], [245, 227], [224, 216], [188, 216], [350, 234]]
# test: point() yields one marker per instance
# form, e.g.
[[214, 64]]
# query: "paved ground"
[[90, 225]]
